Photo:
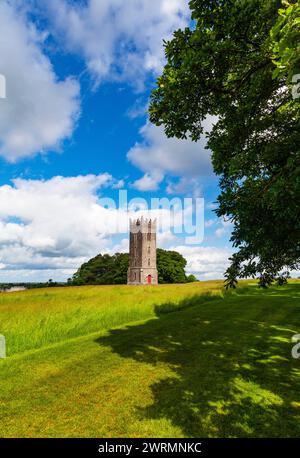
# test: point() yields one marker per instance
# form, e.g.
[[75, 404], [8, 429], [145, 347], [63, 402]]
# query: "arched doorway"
[[149, 279]]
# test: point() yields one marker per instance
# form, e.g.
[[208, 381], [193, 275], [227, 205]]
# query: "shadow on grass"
[[232, 371], [169, 307]]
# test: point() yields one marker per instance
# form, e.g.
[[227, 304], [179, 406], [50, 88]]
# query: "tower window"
[[149, 249], [148, 262], [149, 236]]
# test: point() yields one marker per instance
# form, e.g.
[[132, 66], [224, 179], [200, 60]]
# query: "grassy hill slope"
[[193, 365], [34, 318]]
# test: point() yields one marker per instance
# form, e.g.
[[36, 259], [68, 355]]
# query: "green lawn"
[[35, 318], [182, 363]]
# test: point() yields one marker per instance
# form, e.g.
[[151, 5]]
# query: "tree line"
[[105, 269]]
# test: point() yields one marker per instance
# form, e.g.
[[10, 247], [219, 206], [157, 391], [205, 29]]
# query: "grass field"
[[166, 361]]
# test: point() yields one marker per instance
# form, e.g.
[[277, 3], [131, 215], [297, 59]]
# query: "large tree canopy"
[[111, 270], [170, 267], [237, 63], [103, 270]]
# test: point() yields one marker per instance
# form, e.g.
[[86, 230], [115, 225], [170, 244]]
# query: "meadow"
[[163, 361]]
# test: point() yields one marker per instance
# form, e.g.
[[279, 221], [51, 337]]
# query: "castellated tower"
[[142, 253]]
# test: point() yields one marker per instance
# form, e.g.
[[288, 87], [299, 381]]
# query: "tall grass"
[[35, 318]]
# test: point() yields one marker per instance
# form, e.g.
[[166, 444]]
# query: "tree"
[[285, 35], [103, 270], [170, 266], [236, 64], [191, 278], [111, 270]]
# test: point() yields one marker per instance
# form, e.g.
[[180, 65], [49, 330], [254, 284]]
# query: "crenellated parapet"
[[143, 225]]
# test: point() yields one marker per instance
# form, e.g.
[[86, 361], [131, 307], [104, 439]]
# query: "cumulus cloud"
[[185, 185], [156, 155], [55, 225], [122, 40], [48, 228], [148, 182], [39, 111], [52, 224], [207, 263]]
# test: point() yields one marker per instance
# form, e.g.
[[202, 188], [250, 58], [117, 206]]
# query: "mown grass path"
[[197, 367]]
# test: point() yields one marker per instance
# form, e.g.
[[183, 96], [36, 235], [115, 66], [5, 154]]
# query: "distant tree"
[[51, 283], [112, 270], [239, 62], [191, 279]]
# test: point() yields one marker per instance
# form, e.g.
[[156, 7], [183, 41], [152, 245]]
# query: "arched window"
[[149, 236]]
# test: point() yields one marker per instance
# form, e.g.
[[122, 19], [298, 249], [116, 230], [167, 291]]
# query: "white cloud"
[[158, 155], [48, 228], [186, 185], [119, 247], [165, 238], [147, 182], [205, 262], [116, 38], [138, 109], [39, 111], [32, 275], [55, 225], [52, 224], [210, 222], [226, 228], [220, 232]]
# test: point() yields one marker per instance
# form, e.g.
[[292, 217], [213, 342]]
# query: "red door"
[[149, 279]]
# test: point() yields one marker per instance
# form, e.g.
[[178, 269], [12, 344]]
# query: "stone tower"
[[142, 253]]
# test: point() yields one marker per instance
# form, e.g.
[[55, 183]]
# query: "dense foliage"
[[103, 270], [111, 270], [170, 266], [238, 63], [286, 43]]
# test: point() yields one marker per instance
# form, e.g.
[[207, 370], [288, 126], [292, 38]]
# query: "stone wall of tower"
[[142, 252]]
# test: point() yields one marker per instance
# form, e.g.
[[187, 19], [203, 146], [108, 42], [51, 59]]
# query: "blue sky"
[[74, 129]]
